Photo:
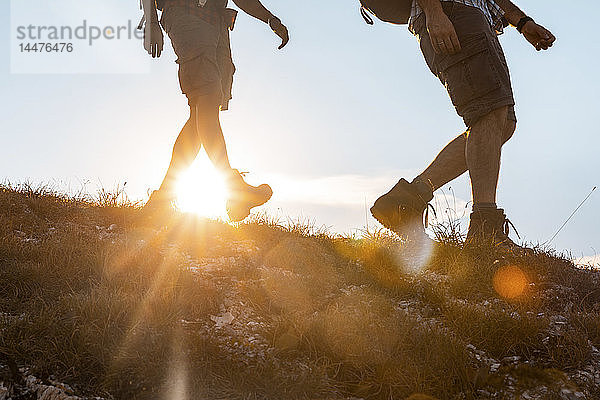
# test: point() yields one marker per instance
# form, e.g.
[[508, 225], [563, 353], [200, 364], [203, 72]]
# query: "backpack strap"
[[366, 16], [143, 20], [141, 24]]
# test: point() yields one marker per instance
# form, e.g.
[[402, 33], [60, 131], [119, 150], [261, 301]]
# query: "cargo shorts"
[[477, 78], [203, 52]]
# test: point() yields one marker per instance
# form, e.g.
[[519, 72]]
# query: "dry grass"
[[94, 295]]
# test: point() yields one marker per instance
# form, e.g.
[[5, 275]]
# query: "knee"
[[509, 130], [493, 123], [204, 115], [496, 118]]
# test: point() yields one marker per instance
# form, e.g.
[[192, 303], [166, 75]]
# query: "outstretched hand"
[[540, 37], [153, 39], [442, 34], [280, 30]]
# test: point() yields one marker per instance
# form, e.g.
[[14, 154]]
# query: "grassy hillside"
[[95, 301]]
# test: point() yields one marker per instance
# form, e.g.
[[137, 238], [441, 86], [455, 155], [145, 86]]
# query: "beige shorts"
[[203, 51]]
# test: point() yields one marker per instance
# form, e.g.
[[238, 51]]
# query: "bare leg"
[[451, 162], [483, 150], [186, 149], [211, 135], [202, 128]]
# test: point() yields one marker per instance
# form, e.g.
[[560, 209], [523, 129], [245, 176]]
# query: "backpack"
[[392, 11]]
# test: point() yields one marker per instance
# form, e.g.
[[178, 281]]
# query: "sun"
[[201, 190]]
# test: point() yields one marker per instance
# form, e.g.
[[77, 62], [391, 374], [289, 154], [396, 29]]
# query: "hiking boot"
[[401, 210], [490, 226], [243, 197], [160, 202]]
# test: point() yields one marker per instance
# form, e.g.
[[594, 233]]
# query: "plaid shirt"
[[492, 11], [211, 11]]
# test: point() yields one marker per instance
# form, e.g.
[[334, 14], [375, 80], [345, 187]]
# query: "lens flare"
[[416, 252], [510, 282], [201, 190]]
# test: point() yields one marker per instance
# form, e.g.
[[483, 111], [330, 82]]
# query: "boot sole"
[[240, 210], [381, 219], [385, 222]]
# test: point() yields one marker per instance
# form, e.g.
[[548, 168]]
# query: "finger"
[[448, 46], [445, 47], [284, 42], [283, 33], [455, 43], [435, 45], [546, 42]]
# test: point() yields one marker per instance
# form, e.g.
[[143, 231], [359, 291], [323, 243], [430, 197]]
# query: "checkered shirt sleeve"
[[492, 11]]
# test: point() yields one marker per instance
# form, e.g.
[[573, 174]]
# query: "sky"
[[331, 122]]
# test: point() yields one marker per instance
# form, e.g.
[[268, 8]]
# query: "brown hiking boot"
[[491, 227], [244, 197], [160, 200], [158, 207], [401, 210]]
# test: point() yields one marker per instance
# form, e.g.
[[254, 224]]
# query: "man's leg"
[[186, 149], [210, 134], [202, 128], [483, 150], [451, 162], [242, 196]]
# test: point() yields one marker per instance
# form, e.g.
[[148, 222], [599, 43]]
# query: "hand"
[[153, 39], [540, 37], [442, 33], [280, 30]]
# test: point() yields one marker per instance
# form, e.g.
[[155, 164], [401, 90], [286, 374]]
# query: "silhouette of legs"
[[203, 128], [477, 151], [211, 137]]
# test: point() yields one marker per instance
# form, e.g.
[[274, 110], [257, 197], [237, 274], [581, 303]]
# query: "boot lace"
[[366, 16], [427, 208], [506, 227]]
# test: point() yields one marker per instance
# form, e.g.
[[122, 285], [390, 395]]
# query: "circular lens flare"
[[201, 190], [510, 282]]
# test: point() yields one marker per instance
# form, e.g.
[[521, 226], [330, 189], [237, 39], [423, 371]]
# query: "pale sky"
[[332, 121]]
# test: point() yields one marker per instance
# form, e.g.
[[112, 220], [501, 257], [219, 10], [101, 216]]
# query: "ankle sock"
[[484, 206]]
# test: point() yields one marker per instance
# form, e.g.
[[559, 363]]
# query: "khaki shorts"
[[204, 56], [477, 78]]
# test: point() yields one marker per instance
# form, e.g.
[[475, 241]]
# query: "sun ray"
[[201, 190]]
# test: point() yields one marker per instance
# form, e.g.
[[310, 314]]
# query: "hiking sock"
[[484, 206]]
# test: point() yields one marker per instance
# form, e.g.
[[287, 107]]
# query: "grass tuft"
[[94, 296]]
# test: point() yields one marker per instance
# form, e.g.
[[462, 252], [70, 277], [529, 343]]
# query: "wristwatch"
[[522, 22]]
